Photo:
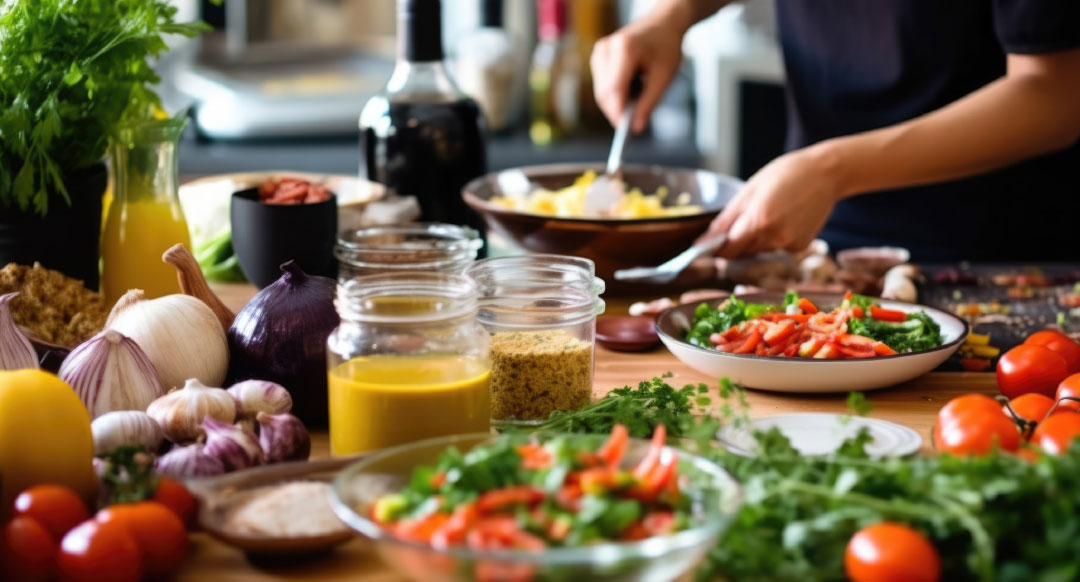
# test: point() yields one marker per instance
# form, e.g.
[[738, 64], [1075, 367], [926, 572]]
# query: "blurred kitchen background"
[[280, 83]]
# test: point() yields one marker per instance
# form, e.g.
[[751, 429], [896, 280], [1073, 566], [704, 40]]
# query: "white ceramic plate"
[[206, 201], [822, 434], [806, 374]]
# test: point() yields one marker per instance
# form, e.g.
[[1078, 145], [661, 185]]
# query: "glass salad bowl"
[[713, 494]]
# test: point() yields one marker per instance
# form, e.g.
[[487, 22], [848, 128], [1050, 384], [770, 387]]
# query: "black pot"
[[266, 235], [67, 238]]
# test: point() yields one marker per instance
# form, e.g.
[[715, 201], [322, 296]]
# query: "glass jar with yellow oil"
[[144, 218], [409, 361]]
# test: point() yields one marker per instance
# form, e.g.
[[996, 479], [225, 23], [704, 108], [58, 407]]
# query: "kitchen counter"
[[342, 156], [914, 404]]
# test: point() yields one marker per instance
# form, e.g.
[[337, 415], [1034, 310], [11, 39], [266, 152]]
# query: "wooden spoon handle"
[[192, 282]]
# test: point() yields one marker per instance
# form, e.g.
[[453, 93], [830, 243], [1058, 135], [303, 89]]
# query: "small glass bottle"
[[409, 361], [422, 136], [555, 77], [487, 67], [428, 247], [144, 218], [541, 313]]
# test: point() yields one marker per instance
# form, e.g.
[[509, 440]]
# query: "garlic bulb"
[[125, 428], [180, 335], [255, 396], [189, 461], [181, 412], [283, 437], [110, 372], [16, 352], [234, 446]]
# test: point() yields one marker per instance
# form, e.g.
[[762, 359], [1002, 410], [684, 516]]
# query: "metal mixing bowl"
[[611, 243]]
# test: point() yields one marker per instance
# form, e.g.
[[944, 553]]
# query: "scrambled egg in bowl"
[[569, 202]]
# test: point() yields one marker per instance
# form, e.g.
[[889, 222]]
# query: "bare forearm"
[[688, 12], [1031, 111]]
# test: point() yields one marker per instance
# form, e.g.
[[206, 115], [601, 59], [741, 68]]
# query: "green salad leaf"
[[709, 320]]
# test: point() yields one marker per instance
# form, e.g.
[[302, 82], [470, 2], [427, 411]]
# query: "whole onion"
[[280, 336]]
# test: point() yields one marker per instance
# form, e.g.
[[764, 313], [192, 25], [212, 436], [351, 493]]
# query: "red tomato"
[[1055, 434], [1030, 368], [1033, 407], [882, 314], [807, 306], [56, 507], [779, 331], [534, 457], [748, 345], [974, 424], [1069, 387], [94, 551], [159, 533], [1059, 343], [176, 497], [659, 523], [420, 530], [891, 552], [27, 550], [452, 533]]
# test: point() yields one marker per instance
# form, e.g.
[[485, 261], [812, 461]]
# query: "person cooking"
[[950, 128]]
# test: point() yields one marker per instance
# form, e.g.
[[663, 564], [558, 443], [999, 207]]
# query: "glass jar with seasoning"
[[431, 246], [541, 313], [409, 361]]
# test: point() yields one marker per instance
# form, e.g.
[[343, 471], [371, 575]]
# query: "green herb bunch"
[[72, 73]]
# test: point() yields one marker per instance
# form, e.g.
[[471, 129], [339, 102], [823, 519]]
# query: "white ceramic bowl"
[[806, 374]]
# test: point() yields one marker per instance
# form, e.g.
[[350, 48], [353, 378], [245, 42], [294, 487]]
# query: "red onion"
[[235, 447], [280, 336], [189, 461], [283, 437]]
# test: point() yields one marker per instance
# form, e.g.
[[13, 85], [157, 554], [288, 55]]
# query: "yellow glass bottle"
[[144, 218]]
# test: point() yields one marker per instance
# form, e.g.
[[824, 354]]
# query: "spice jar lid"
[[422, 246]]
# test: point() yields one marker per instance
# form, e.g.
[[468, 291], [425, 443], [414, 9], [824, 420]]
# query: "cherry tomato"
[[159, 533], [176, 497], [1030, 368], [1055, 434], [974, 424], [1069, 387], [1033, 407], [1060, 343], [891, 552], [27, 549], [57, 508], [94, 551]]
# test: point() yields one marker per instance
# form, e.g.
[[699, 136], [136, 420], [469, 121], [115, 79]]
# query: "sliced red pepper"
[[452, 532], [849, 352], [882, 314], [492, 501], [807, 306], [569, 497], [420, 530], [761, 349], [851, 340], [749, 344], [778, 332], [659, 523], [883, 350], [975, 364], [792, 350], [613, 449], [858, 312], [829, 351], [534, 457], [731, 333]]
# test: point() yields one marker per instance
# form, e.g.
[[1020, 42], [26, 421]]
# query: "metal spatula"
[[606, 191], [671, 269]]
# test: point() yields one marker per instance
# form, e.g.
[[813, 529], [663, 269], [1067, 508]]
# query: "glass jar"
[[430, 246], [144, 218], [408, 361], [541, 313]]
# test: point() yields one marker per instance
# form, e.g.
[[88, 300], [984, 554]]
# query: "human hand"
[[651, 45], [783, 206]]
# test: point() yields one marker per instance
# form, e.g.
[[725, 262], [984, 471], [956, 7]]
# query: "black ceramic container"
[[67, 238], [267, 235]]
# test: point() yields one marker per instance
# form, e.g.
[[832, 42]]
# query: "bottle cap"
[[552, 18], [491, 14], [420, 30]]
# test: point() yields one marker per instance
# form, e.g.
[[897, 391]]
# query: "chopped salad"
[[858, 328], [530, 495]]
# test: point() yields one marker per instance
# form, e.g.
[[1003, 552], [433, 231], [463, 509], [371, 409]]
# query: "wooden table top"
[[914, 404]]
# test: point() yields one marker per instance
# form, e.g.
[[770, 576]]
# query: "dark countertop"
[[342, 156]]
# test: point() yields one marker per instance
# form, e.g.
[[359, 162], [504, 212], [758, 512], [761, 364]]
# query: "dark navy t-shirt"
[[857, 65]]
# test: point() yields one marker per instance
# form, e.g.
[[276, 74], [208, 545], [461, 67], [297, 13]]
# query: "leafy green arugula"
[[709, 320], [72, 73]]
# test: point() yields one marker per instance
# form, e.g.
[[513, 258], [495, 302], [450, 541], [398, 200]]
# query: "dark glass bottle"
[[422, 136]]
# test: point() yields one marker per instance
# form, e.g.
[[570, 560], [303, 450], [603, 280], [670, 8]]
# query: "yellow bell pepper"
[[44, 436]]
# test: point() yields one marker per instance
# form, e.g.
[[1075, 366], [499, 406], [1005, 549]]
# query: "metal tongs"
[[607, 190], [671, 269]]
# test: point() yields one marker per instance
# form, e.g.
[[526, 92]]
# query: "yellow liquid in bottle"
[[381, 401], [136, 234]]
